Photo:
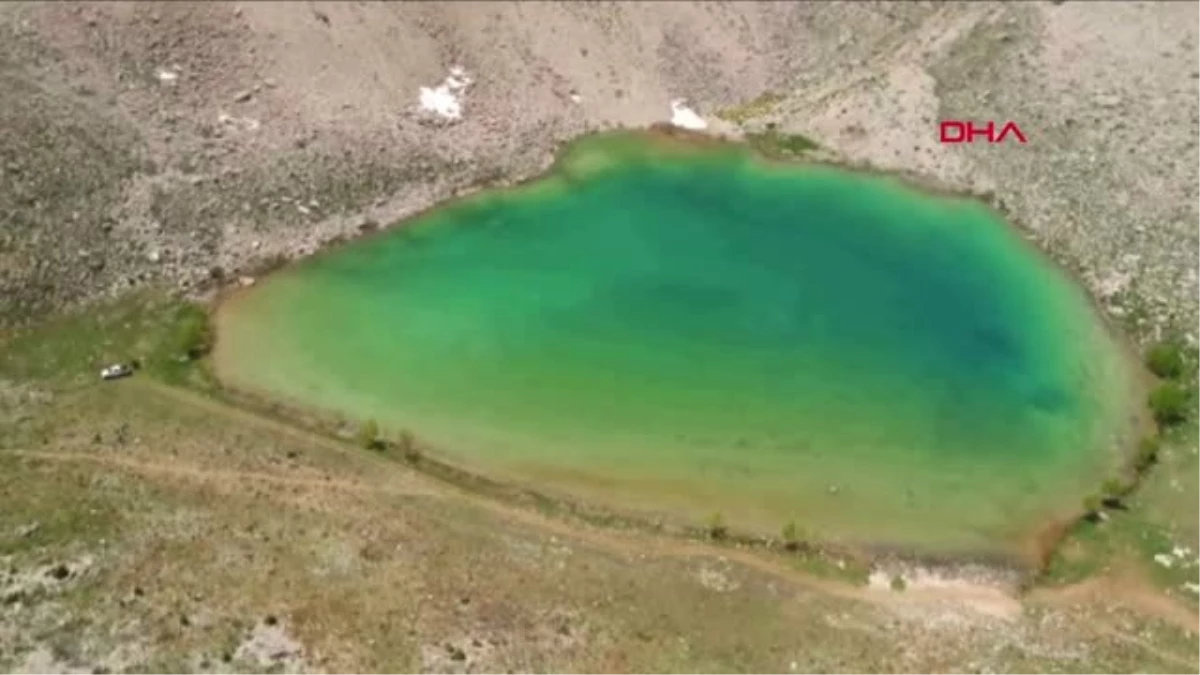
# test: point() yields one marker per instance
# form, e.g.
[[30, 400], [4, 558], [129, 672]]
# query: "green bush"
[[898, 583], [190, 335], [1147, 453], [1169, 404], [1091, 507], [368, 435], [408, 446], [1165, 360], [1115, 487], [1114, 491], [716, 526], [791, 535]]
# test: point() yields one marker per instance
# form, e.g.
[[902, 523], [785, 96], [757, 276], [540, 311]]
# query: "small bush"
[[716, 526], [1115, 487], [1147, 453], [898, 583], [189, 336], [791, 535], [1165, 360], [1114, 492], [1091, 507], [1169, 404], [408, 446], [368, 435]]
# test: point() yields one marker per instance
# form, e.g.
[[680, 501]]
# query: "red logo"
[[958, 131]]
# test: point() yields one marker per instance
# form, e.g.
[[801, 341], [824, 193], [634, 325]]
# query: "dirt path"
[[204, 475], [1135, 594], [1122, 588]]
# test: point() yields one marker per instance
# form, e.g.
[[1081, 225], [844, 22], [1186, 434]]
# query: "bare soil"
[[192, 536]]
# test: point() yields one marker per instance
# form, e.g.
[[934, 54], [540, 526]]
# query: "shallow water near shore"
[[692, 330]]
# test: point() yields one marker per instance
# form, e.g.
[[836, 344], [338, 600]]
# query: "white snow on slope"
[[685, 117], [444, 100]]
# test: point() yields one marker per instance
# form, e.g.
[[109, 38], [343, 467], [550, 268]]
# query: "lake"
[[663, 326]]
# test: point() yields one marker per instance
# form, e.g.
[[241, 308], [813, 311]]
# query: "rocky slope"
[[189, 143]]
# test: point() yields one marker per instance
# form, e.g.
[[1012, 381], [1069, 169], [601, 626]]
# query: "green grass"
[[764, 104], [164, 335], [1156, 514], [774, 143], [33, 520], [828, 566]]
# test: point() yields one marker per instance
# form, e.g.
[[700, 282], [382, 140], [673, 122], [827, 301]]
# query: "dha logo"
[[957, 131]]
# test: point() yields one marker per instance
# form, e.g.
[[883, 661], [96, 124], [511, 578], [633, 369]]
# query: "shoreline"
[[1021, 565], [1040, 543]]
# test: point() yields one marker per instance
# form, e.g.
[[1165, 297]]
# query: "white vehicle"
[[116, 371]]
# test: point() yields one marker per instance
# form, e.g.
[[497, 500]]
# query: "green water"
[[695, 331]]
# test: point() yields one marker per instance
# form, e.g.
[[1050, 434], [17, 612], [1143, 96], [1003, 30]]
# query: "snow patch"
[[684, 117], [444, 100]]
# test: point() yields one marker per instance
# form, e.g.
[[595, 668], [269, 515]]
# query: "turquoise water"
[[694, 331]]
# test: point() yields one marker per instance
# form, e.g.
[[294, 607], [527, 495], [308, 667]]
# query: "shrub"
[[1147, 453], [1091, 507], [1114, 491], [1165, 360], [368, 435], [791, 535], [408, 446], [1169, 404], [898, 583], [716, 526], [1115, 487], [189, 337]]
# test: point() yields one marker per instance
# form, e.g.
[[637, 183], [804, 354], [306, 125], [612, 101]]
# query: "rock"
[[1108, 100], [243, 96], [154, 256]]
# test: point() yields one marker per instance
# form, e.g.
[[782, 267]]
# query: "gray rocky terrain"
[[193, 143]]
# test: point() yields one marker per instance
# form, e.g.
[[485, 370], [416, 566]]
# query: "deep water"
[[695, 330]]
